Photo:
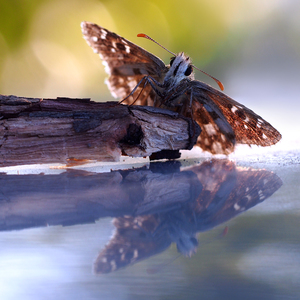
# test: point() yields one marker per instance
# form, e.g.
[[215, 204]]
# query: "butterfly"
[[139, 77]]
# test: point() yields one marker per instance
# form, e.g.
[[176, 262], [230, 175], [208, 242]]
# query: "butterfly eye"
[[172, 60], [188, 71]]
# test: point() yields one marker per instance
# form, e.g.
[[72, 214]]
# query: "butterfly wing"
[[249, 128], [125, 62], [135, 239], [229, 190], [217, 135], [225, 122]]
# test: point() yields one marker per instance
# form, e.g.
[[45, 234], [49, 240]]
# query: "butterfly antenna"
[[151, 39], [220, 84]]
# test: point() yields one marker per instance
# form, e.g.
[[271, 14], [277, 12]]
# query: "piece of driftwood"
[[34, 130]]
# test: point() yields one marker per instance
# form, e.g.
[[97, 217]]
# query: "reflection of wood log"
[[76, 197], [36, 130], [204, 195]]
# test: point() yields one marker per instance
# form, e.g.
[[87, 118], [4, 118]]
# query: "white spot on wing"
[[82, 25], [259, 123], [113, 265], [261, 195], [217, 147], [127, 49], [132, 84], [106, 67], [248, 197], [103, 34], [236, 206], [135, 254], [94, 38], [210, 129], [234, 109]]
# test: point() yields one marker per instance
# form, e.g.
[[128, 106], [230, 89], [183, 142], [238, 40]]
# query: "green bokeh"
[[15, 20], [42, 53], [34, 32]]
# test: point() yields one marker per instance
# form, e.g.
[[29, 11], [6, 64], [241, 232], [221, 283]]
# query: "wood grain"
[[58, 130]]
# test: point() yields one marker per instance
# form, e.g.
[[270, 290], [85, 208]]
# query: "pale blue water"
[[54, 229]]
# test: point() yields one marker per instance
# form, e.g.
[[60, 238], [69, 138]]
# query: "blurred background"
[[252, 46]]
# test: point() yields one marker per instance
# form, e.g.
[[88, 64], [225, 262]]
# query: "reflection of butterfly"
[[133, 240], [137, 238], [136, 74], [227, 191]]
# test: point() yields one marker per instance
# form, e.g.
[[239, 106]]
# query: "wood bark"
[[34, 130]]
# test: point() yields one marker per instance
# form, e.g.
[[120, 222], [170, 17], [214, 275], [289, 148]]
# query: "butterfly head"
[[180, 68]]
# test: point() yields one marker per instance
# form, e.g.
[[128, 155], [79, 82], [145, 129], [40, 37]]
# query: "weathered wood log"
[[34, 130]]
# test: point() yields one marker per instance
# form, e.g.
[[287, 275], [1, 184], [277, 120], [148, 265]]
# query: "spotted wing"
[[252, 187], [229, 190], [135, 239], [249, 128], [125, 62], [225, 122]]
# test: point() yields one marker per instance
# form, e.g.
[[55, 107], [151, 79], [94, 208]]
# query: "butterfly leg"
[[133, 91], [173, 96], [147, 80]]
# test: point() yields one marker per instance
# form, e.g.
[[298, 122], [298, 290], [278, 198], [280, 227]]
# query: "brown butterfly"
[[137, 76]]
